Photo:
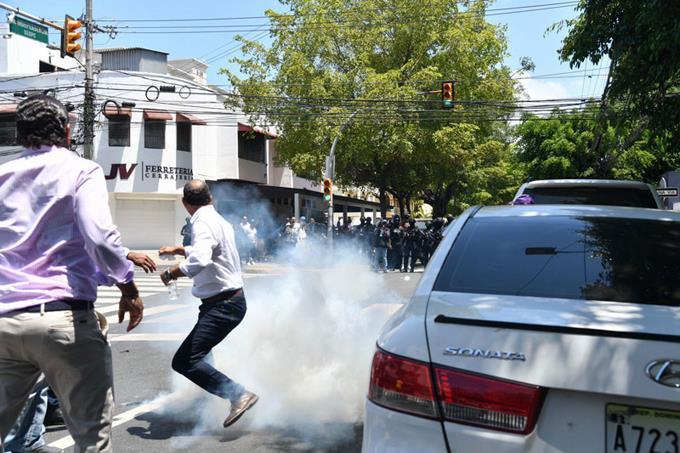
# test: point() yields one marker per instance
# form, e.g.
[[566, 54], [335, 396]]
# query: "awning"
[[187, 118], [8, 108], [112, 110], [247, 128], [157, 115]]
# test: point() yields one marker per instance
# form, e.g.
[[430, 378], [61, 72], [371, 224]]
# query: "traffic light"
[[327, 189], [447, 94], [69, 36]]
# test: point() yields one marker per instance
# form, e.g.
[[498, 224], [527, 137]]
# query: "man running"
[[213, 262]]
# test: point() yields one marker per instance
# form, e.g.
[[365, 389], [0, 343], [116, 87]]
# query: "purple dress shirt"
[[57, 239]]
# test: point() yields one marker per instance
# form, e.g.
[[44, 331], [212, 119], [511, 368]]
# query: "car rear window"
[[612, 259], [619, 196]]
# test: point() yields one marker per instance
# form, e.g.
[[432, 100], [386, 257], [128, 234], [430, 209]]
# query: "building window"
[[184, 136], [252, 146], [119, 130], [8, 130], [154, 134]]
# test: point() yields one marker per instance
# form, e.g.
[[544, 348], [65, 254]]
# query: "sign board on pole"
[[29, 29], [667, 192]]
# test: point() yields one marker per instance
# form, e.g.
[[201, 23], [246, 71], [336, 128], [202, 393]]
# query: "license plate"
[[642, 430]]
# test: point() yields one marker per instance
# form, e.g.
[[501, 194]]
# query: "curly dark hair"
[[197, 193], [42, 121]]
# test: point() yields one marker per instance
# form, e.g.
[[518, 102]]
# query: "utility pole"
[[88, 107]]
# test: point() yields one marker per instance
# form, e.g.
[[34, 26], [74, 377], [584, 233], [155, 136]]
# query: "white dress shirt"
[[212, 258]]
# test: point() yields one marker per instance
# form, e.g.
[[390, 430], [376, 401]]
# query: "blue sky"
[[526, 34]]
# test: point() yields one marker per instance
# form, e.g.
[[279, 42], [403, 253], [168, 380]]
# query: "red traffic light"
[[327, 189], [447, 94], [69, 36]]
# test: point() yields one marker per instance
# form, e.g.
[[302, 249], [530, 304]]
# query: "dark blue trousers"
[[215, 321]]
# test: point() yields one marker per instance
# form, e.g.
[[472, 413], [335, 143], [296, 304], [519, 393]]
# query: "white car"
[[608, 192], [550, 328]]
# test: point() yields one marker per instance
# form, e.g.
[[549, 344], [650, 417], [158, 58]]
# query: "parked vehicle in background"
[[605, 192], [536, 329]]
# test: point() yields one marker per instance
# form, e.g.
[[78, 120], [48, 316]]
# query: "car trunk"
[[589, 358]]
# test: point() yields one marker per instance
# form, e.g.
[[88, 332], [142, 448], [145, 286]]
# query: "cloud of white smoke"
[[305, 347]]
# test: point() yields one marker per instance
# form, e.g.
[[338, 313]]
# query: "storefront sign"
[[163, 172], [29, 29], [121, 170]]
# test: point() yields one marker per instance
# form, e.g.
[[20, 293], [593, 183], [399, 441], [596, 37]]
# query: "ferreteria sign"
[[29, 29], [163, 172]]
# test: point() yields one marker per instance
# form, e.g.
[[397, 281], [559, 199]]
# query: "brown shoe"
[[244, 403]]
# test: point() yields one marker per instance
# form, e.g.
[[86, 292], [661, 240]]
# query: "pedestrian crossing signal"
[[69, 36], [447, 94], [327, 189]]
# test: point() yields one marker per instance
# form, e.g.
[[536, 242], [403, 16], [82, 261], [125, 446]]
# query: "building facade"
[[158, 125]]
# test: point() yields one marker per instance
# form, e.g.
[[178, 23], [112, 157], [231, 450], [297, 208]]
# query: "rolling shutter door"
[[146, 224]]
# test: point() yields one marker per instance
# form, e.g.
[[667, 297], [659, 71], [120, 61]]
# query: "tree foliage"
[[378, 60], [641, 38], [559, 146]]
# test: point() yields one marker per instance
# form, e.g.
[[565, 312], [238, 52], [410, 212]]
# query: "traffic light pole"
[[330, 173], [41, 20], [88, 107]]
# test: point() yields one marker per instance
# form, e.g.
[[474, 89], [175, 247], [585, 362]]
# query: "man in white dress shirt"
[[213, 262]]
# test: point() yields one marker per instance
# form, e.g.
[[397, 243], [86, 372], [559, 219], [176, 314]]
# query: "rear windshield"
[[618, 196], [612, 259]]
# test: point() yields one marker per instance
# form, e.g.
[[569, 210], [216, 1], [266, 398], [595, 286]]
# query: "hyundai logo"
[[665, 372]]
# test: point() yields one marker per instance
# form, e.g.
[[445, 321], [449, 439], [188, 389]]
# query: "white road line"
[[150, 311], [119, 419], [147, 337]]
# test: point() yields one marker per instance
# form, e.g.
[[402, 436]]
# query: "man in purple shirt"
[[57, 243]]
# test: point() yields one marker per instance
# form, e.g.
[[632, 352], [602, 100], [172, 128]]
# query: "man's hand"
[[142, 260], [171, 250], [166, 277], [135, 306]]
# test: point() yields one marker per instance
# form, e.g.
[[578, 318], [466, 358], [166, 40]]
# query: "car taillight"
[[402, 384], [487, 402]]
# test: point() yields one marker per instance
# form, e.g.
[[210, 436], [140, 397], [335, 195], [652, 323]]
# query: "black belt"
[[225, 295], [58, 305]]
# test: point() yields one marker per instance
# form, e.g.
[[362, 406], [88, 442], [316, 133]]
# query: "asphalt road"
[[304, 347]]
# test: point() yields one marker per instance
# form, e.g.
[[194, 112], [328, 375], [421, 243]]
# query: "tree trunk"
[[400, 200], [383, 202], [441, 200]]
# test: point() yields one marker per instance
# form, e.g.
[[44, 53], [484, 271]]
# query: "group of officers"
[[395, 244]]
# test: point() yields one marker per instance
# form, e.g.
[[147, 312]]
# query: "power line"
[[231, 18], [193, 29]]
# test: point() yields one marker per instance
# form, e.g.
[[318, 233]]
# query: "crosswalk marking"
[[148, 285], [150, 311], [147, 337], [119, 419]]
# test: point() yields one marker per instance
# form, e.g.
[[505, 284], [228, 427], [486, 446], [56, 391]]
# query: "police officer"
[[412, 244], [397, 238]]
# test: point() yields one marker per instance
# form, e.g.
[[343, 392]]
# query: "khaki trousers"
[[71, 349]]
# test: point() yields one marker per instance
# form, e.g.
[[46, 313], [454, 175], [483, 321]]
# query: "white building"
[[157, 126]]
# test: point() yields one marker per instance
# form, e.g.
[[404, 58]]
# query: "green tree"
[[641, 38], [376, 59], [469, 169], [559, 146]]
